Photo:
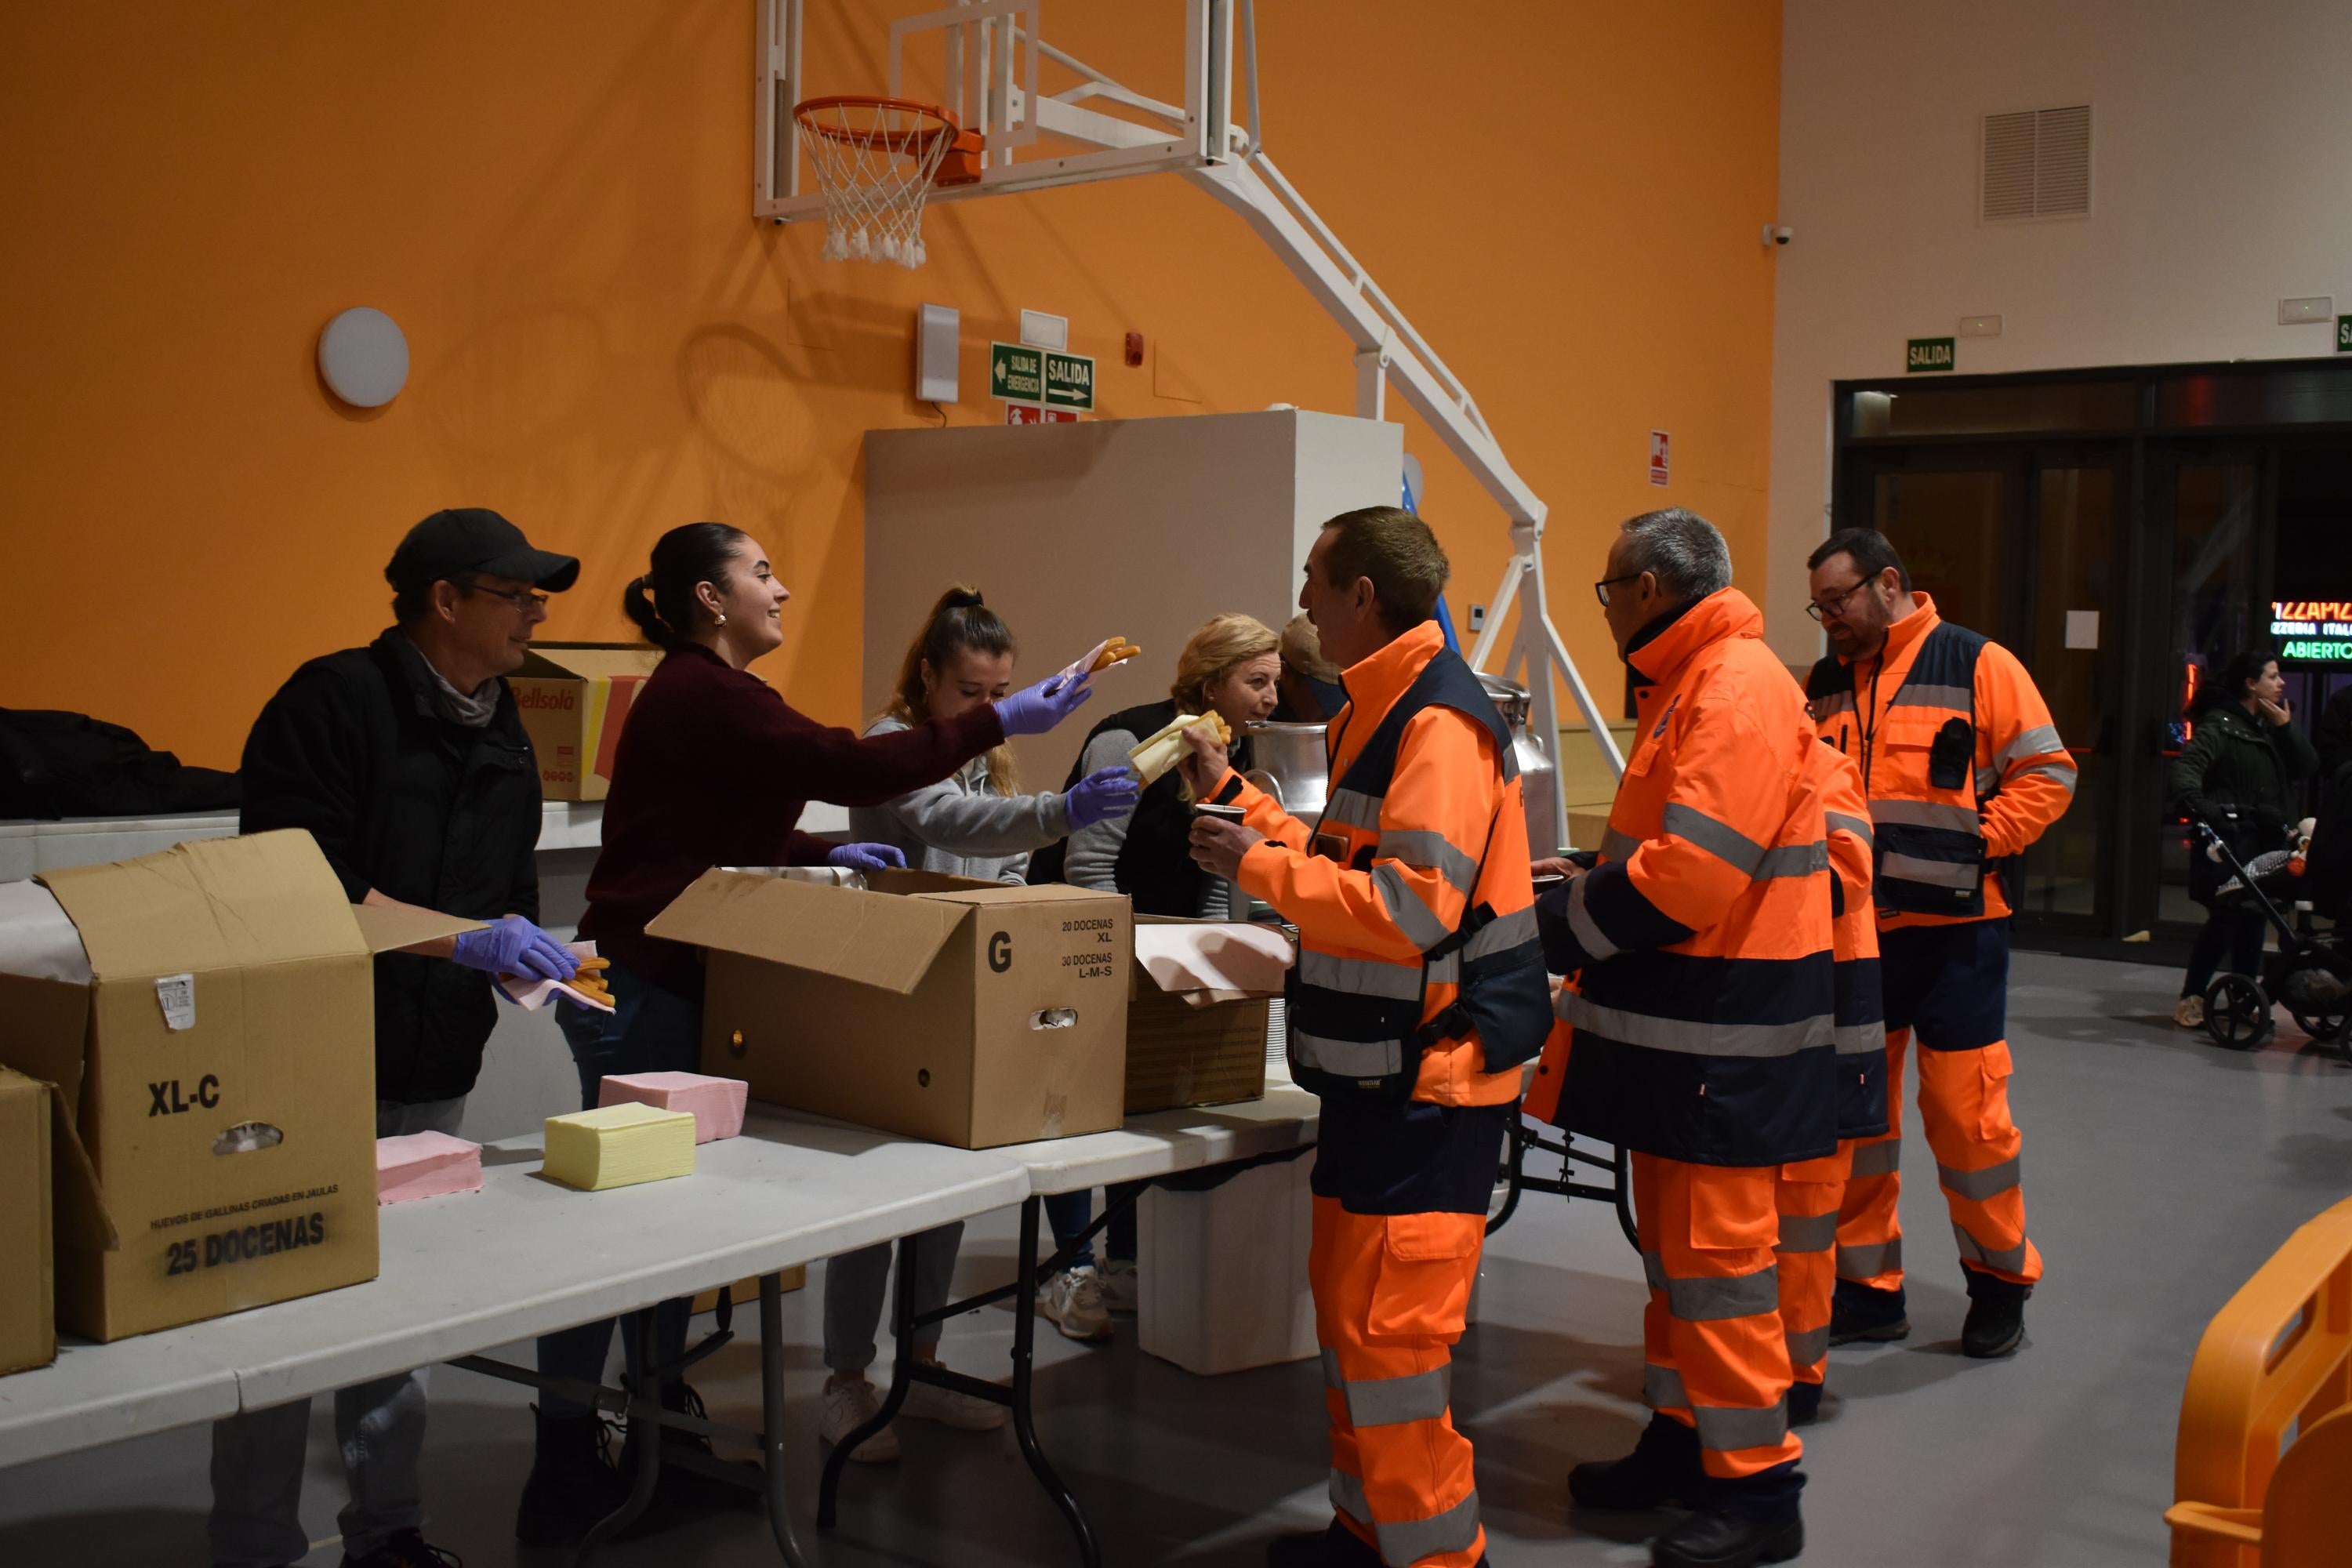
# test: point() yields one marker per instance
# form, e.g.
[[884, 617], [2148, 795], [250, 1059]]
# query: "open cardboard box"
[[208, 1023], [968, 1013], [574, 698], [1196, 1017]]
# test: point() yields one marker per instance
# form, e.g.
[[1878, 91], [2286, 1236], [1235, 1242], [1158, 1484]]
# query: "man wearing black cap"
[[408, 763]]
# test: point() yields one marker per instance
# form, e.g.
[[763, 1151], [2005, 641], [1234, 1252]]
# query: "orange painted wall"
[[553, 201]]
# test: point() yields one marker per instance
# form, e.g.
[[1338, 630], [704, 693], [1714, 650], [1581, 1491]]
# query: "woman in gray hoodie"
[[972, 824]]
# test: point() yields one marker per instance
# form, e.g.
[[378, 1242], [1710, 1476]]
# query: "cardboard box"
[[973, 1014], [28, 1329], [218, 1068], [573, 698], [1197, 1012]]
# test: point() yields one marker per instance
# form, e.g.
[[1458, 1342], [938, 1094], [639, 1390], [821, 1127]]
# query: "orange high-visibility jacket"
[[1959, 756], [1700, 1028], [1861, 1014], [1376, 883]]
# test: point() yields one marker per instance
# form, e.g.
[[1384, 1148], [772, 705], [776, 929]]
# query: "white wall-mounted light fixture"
[[363, 357]]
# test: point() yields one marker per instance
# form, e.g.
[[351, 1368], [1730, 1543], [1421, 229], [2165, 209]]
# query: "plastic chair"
[[2279, 1354]]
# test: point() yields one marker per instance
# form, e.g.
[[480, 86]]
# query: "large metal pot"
[[1292, 767], [1538, 774]]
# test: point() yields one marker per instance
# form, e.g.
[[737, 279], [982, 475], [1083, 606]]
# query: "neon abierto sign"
[[2314, 630]]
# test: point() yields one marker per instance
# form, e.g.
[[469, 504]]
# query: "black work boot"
[[406, 1549], [1712, 1538], [1996, 1321], [678, 1487], [1663, 1468], [1335, 1546], [572, 1482], [1859, 1312], [1804, 1403]]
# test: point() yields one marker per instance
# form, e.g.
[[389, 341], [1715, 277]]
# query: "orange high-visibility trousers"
[[1807, 1195], [1964, 1107], [1715, 1355], [1391, 1294]]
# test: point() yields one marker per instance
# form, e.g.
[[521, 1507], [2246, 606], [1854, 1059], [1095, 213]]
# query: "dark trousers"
[[2239, 931]]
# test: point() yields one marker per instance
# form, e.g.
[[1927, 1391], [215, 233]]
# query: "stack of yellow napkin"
[[617, 1146]]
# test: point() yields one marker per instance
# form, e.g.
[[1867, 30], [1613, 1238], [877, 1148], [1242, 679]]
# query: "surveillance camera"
[[1778, 234]]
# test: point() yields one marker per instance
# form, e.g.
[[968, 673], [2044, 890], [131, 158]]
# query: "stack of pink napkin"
[[426, 1165], [716, 1103]]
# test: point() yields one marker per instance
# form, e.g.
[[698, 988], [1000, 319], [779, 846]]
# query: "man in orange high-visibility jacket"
[[1419, 994], [1964, 770], [1698, 1030]]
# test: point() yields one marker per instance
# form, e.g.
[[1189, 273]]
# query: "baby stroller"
[[2311, 973]]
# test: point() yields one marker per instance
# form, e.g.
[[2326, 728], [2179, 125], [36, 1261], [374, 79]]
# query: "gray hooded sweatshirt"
[[958, 827]]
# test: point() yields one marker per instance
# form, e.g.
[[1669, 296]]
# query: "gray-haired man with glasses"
[[407, 762]]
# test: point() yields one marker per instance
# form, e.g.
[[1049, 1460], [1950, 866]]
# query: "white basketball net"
[[873, 165]]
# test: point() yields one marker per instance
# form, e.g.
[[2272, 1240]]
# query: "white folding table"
[[525, 1256], [1162, 1143]]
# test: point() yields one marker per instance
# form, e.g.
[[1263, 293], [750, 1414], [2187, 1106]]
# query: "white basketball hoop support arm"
[[991, 92]]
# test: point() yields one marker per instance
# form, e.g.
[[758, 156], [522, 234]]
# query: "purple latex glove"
[[1100, 795], [1036, 708], [866, 857], [515, 946]]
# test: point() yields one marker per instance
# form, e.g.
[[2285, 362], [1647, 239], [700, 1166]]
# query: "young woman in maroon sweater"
[[713, 768]]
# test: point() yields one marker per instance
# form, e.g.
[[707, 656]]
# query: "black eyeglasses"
[[1822, 609], [521, 598], [1601, 589]]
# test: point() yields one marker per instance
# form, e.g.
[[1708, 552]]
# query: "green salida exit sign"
[[1923, 354], [2344, 334]]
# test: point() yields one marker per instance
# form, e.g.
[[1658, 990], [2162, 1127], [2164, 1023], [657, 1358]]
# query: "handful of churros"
[[1118, 651], [590, 980], [1165, 749]]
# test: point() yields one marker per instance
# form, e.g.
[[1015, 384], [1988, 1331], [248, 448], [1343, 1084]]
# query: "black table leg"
[[1024, 1425], [644, 1394], [771, 1419], [902, 1332]]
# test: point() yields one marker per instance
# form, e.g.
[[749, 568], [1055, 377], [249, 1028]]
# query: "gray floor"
[[2160, 1173]]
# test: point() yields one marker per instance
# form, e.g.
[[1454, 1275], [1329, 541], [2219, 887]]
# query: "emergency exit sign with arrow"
[[1016, 373]]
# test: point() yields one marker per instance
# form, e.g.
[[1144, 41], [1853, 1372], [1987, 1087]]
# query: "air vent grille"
[[2037, 163]]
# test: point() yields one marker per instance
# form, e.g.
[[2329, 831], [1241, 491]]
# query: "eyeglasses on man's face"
[[1822, 609], [521, 598], [1601, 589]]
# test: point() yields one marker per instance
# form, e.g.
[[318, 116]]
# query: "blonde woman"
[[969, 824], [1230, 666]]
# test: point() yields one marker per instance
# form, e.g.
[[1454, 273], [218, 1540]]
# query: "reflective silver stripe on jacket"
[[1914, 695], [1345, 1058], [2008, 1260], [1839, 821], [1859, 1040], [1894, 868], [1360, 976], [1835, 702], [1879, 1159], [1991, 1182], [1351, 808], [1589, 934], [1709, 1299], [1431, 852], [1419, 923], [2033, 742], [1871, 1261], [1616, 846], [1739, 851], [1502, 933], [1926, 814], [1808, 1232], [1706, 1040], [2064, 772]]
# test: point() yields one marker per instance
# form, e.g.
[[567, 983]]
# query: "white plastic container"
[[1224, 1273]]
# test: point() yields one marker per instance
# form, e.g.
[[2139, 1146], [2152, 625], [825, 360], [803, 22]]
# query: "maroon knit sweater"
[[713, 768]]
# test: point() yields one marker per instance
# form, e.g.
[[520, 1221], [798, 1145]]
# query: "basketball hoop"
[[876, 160]]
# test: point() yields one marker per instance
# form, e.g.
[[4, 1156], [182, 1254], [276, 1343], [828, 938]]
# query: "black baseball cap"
[[475, 540]]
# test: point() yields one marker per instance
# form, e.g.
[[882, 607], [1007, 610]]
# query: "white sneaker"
[[2190, 1013], [928, 1402], [1120, 1292], [846, 1410], [1072, 1301]]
